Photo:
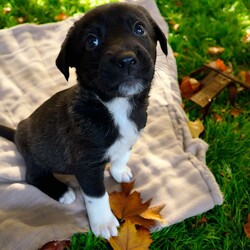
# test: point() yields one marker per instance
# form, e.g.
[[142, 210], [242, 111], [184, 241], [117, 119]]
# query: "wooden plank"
[[210, 90], [209, 77], [230, 76]]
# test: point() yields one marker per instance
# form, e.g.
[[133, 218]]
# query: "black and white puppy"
[[97, 121]]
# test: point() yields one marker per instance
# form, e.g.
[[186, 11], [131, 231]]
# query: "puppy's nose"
[[126, 60]]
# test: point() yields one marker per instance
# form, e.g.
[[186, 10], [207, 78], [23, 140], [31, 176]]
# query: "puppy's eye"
[[92, 42], [139, 29]]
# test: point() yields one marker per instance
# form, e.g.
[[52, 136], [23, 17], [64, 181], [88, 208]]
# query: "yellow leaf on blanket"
[[124, 206], [127, 205], [196, 128], [153, 213], [131, 238]]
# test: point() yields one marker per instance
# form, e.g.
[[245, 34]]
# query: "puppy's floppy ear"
[[66, 59], [160, 36]]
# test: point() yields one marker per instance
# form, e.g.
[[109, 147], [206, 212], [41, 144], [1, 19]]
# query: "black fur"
[[7, 133], [71, 131]]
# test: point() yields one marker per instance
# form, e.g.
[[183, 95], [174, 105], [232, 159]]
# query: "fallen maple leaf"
[[245, 77], [176, 54], [127, 205], [131, 238], [175, 26], [220, 65], [153, 213], [217, 117], [235, 112], [247, 227], [20, 20], [60, 17], [140, 221], [202, 220], [136, 219], [246, 38], [57, 245], [127, 187], [6, 10], [196, 128], [189, 86]]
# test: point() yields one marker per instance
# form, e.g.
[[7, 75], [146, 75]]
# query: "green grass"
[[13, 12], [88, 242], [202, 24]]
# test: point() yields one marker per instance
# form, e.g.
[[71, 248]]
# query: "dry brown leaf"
[[217, 117], [220, 65], [127, 187], [60, 17], [189, 86], [245, 77], [235, 112], [138, 220], [202, 220], [124, 206], [175, 26], [215, 50], [246, 38], [57, 245], [6, 10], [196, 128], [176, 54], [117, 202], [131, 238], [247, 227], [20, 20], [194, 84], [178, 3], [128, 206]]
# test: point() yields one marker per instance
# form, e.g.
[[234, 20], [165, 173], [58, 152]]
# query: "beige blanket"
[[167, 163]]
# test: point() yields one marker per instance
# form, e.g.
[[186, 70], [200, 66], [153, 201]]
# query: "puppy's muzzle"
[[126, 61], [126, 72]]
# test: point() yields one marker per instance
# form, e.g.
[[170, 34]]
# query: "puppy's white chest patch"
[[120, 109]]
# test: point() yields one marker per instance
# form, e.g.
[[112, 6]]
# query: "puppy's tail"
[[8, 133]]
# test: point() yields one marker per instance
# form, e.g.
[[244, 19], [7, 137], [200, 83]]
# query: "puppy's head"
[[113, 48]]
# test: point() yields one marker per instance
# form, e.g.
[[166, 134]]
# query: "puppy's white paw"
[[122, 174], [101, 219], [68, 197], [104, 225]]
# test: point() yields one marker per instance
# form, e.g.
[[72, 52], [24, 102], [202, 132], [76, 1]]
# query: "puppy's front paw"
[[68, 197], [104, 225], [122, 174], [101, 219]]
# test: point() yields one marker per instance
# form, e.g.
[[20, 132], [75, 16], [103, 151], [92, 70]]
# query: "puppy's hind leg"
[[48, 184]]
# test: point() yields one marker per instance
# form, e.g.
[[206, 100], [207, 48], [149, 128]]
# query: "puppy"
[[97, 121]]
